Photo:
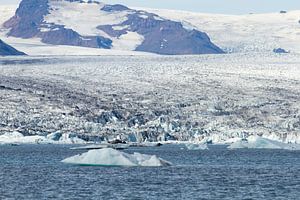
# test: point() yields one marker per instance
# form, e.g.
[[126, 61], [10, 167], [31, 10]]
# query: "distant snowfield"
[[243, 33], [218, 98], [6, 12], [82, 17], [233, 33]]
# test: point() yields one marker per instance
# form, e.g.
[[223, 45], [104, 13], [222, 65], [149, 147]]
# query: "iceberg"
[[257, 142], [191, 146], [19, 138], [70, 139], [112, 157], [54, 138]]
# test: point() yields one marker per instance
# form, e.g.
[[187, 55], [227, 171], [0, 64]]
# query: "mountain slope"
[[6, 50], [244, 33], [97, 25]]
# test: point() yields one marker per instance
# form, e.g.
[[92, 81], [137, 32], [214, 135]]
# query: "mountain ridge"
[[56, 22]]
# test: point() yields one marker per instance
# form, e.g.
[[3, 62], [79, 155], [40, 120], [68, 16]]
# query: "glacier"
[[202, 99], [112, 157]]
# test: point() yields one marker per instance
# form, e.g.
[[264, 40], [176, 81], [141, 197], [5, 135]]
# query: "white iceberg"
[[69, 139], [112, 157], [256, 142], [192, 146], [19, 138]]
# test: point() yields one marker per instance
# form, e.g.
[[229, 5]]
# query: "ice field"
[[213, 98]]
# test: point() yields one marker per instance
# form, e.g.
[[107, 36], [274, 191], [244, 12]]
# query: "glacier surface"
[[208, 98]]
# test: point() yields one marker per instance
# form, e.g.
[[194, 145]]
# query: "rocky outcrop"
[[6, 50]]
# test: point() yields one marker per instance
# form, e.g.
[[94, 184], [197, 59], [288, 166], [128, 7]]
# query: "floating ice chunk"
[[112, 157], [19, 138], [5, 138], [256, 142], [54, 138], [70, 139], [232, 140], [191, 146]]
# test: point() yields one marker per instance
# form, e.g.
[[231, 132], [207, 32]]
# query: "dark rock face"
[[6, 50], [28, 17], [116, 7], [163, 36], [69, 37], [167, 37], [280, 50], [160, 35]]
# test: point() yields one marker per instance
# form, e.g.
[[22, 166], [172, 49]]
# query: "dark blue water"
[[35, 172]]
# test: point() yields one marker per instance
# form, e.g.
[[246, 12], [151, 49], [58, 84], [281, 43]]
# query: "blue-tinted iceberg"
[[256, 142], [112, 157]]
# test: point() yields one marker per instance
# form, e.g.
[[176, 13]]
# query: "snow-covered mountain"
[[233, 33], [6, 50], [97, 25], [244, 33]]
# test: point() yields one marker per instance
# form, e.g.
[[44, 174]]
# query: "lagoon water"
[[35, 172]]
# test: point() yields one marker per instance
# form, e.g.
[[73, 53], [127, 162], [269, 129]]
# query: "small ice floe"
[[69, 139], [257, 142], [112, 157], [192, 146]]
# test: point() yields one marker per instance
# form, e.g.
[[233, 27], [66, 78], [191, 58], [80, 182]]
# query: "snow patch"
[[83, 18], [128, 42], [143, 16], [119, 28], [6, 12]]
